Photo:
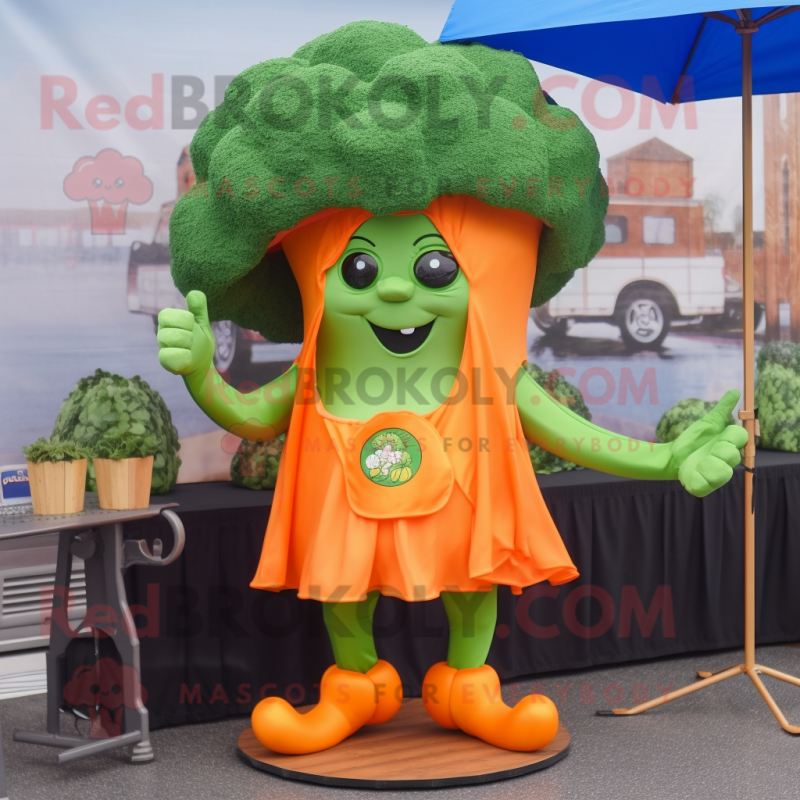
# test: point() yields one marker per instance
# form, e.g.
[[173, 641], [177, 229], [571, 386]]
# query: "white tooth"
[[407, 331]]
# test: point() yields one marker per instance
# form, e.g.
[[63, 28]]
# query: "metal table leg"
[[106, 556]]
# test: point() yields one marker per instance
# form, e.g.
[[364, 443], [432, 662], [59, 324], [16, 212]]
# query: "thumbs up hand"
[[184, 337], [708, 450]]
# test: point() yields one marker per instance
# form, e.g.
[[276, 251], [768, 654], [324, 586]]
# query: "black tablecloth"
[[661, 573]]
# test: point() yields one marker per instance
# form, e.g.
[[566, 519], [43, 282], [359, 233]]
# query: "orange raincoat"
[[477, 517]]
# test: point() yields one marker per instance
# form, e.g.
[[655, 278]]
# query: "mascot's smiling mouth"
[[403, 341]]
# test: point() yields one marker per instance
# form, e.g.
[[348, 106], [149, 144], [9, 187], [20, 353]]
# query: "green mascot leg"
[[472, 617], [350, 630], [464, 692]]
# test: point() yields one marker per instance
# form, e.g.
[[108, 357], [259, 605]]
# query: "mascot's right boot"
[[471, 699], [347, 701]]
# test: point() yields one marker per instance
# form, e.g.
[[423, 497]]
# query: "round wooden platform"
[[409, 752]]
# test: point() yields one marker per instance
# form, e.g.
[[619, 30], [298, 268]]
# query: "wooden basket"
[[123, 484], [57, 487]]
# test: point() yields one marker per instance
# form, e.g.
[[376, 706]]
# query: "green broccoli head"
[[786, 354], [255, 464], [128, 412], [544, 462], [371, 115], [683, 414], [778, 396]]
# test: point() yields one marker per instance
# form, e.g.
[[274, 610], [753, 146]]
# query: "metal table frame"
[[96, 536]]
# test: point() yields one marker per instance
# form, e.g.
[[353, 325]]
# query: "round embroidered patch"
[[391, 457]]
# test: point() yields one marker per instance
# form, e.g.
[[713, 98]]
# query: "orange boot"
[[436, 689], [347, 701], [470, 699], [388, 692]]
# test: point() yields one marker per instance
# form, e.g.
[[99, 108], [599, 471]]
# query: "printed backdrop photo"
[[95, 133]]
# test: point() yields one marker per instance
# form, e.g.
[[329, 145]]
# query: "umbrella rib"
[[775, 14], [676, 94], [721, 17]]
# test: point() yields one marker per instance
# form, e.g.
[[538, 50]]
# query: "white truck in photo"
[[653, 271]]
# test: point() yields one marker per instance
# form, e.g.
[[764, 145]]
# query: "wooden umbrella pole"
[[747, 414], [747, 28]]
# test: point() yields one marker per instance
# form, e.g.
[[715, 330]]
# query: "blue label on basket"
[[15, 484]]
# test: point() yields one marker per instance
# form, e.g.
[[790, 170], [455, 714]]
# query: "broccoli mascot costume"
[[398, 206]]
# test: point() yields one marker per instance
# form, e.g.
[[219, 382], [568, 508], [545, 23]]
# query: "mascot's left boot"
[[347, 701], [470, 699]]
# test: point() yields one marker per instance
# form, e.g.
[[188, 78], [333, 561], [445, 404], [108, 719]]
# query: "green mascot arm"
[[701, 458], [186, 344]]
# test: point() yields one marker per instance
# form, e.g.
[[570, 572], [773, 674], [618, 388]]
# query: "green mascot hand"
[[706, 452], [184, 337], [701, 458], [187, 348]]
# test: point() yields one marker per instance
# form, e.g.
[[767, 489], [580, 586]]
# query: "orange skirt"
[[316, 543]]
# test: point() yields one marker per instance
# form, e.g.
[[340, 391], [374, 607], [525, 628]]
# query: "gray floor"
[[722, 742]]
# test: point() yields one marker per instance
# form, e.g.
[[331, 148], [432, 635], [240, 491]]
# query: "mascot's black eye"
[[359, 270], [436, 269]]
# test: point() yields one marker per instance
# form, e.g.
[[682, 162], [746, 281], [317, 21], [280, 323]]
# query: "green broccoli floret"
[[106, 406], [682, 415], [255, 464], [544, 462], [787, 354], [778, 396]]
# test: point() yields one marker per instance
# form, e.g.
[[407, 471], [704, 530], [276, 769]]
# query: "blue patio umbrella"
[[620, 41], [695, 50]]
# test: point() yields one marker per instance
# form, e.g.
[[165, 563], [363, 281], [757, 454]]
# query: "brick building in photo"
[[782, 210], [654, 180]]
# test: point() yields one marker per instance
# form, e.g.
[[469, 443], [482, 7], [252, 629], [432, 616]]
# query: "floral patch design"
[[391, 457]]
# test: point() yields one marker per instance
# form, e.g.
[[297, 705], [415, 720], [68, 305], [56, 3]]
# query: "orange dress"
[[471, 515]]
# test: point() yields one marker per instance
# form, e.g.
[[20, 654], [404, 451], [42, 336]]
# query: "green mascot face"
[[392, 333]]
